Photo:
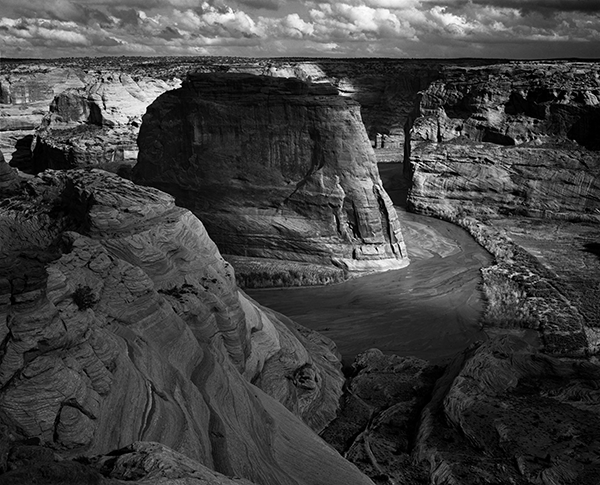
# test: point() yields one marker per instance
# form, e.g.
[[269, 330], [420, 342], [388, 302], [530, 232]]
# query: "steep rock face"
[[275, 168], [25, 93], [96, 125], [121, 322], [517, 138]]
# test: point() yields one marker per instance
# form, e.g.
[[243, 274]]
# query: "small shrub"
[[84, 297]]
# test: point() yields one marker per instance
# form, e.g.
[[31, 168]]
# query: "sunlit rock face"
[[275, 168], [96, 125], [518, 138], [121, 322], [25, 94]]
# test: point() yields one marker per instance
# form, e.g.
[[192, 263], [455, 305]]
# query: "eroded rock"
[[508, 139], [275, 168], [121, 322], [96, 125], [514, 416]]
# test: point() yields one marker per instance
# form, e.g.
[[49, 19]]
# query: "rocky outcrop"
[[504, 413], [275, 168], [516, 138], [377, 425], [501, 412], [96, 125], [121, 322]]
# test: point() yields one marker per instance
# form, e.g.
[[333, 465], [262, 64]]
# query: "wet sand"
[[430, 309]]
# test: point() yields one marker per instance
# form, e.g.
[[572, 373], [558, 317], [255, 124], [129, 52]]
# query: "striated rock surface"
[[275, 168], [121, 322], [518, 138]]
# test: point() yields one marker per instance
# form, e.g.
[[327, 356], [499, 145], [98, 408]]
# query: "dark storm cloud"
[[544, 6], [265, 4], [126, 16], [170, 33]]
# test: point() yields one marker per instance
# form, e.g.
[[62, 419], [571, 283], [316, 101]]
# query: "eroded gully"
[[430, 309]]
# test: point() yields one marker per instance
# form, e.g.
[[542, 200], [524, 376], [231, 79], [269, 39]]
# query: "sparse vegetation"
[[260, 273], [84, 297]]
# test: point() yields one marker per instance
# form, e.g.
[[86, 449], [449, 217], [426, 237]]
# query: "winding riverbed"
[[430, 309]]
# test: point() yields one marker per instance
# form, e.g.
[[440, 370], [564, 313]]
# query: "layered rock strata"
[[25, 94], [121, 322], [275, 168], [96, 125], [518, 138]]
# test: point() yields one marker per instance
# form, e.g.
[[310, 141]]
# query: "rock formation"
[[96, 125], [500, 413], [9, 178], [25, 94], [518, 138], [121, 322], [275, 168], [504, 413]]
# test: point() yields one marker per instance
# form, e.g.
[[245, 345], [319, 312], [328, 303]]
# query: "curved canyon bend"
[[430, 309]]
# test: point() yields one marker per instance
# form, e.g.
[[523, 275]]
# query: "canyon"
[[130, 352]]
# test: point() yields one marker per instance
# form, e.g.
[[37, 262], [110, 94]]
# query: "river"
[[430, 309]]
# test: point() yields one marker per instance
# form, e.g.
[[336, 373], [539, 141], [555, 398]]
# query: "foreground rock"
[[121, 322], [141, 462], [510, 415], [274, 168], [500, 413], [377, 425]]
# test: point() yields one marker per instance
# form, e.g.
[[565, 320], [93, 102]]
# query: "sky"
[[274, 28]]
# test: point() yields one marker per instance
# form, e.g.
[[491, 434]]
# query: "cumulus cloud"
[[484, 28]]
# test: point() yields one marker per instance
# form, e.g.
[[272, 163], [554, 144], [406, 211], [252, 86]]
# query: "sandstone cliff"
[[275, 168], [121, 322], [96, 125], [518, 138], [25, 94]]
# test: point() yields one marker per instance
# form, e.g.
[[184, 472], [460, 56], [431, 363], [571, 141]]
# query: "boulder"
[[275, 168], [121, 322]]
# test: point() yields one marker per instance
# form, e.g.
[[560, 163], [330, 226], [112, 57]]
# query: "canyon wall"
[[121, 322], [511, 139], [96, 125], [275, 168]]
